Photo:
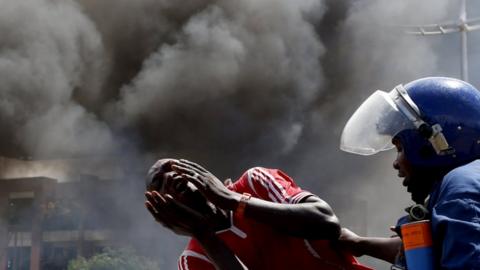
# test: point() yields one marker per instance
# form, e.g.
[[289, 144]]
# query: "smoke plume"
[[50, 54]]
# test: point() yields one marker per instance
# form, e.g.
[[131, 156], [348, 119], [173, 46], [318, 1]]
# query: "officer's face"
[[402, 165], [417, 181]]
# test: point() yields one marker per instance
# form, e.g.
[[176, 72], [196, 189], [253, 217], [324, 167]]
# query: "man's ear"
[[227, 182]]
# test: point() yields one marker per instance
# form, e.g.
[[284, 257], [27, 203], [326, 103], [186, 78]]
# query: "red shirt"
[[259, 246]]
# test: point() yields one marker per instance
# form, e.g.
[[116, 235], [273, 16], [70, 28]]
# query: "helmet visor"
[[373, 125]]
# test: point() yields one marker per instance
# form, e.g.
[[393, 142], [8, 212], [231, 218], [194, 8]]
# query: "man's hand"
[[186, 221], [209, 185], [179, 218]]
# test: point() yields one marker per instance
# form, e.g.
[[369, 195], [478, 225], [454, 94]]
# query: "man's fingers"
[[151, 209], [189, 174], [184, 169], [158, 197], [156, 201], [166, 212], [151, 198], [176, 208], [193, 164], [155, 212], [195, 181], [161, 216]]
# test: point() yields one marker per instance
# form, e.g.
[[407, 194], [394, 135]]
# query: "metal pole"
[[463, 27]]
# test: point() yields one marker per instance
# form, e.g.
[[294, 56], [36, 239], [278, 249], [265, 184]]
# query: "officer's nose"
[[396, 164]]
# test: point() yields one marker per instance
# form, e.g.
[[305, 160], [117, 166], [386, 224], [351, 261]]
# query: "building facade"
[[44, 223]]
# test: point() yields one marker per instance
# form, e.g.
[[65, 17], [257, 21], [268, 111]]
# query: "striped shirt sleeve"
[[191, 260], [271, 185]]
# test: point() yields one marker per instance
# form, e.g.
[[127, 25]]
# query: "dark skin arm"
[[382, 248], [180, 218], [312, 218]]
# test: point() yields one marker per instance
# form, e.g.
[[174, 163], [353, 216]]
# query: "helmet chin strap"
[[431, 132]]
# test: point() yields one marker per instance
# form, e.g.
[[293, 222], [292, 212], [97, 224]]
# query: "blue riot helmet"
[[436, 119]]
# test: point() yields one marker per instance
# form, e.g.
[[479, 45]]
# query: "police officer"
[[434, 123]]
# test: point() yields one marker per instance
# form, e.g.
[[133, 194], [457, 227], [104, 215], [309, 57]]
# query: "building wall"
[[43, 223]]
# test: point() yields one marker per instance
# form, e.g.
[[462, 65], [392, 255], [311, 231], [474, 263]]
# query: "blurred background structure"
[[463, 25], [46, 224]]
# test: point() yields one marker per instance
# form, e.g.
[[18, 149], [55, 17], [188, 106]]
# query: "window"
[[20, 214]]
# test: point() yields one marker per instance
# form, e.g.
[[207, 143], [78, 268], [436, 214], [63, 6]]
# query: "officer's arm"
[[382, 248]]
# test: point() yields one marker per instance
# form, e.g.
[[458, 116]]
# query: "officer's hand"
[[350, 242]]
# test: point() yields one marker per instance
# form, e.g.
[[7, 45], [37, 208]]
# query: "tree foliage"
[[114, 259]]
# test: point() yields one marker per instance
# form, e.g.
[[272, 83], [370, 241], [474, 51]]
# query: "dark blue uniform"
[[455, 208]]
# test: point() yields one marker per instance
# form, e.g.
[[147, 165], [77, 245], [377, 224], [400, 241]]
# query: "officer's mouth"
[[406, 181]]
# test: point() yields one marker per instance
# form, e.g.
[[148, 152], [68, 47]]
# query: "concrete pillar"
[[37, 230], [3, 229]]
